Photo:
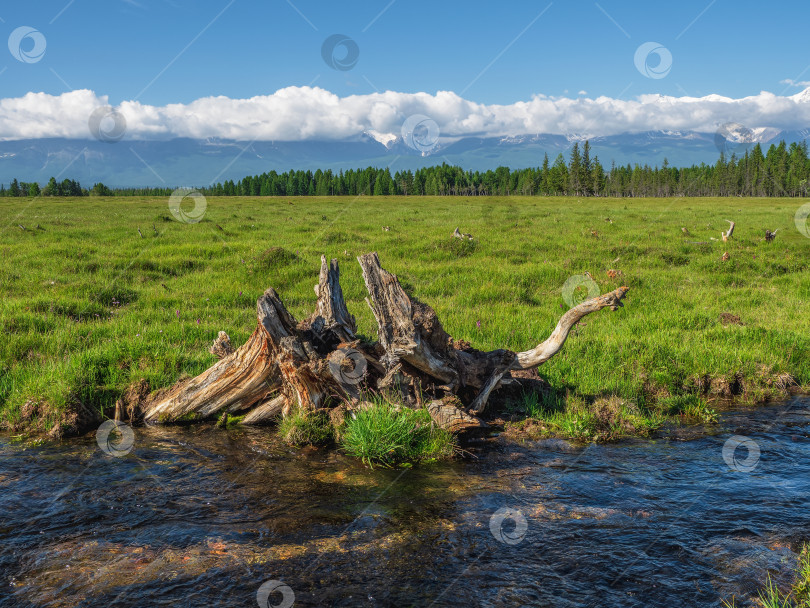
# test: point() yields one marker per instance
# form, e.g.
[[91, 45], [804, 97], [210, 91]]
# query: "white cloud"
[[299, 113], [795, 83]]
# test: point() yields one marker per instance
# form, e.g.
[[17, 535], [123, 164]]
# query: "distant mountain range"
[[188, 162]]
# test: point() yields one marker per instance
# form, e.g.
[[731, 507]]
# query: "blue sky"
[[321, 70], [119, 47]]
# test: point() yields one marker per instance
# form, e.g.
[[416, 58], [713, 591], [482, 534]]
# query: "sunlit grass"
[[605, 419], [388, 435], [90, 307], [302, 428]]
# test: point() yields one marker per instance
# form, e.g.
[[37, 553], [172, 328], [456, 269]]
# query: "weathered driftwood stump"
[[320, 362]]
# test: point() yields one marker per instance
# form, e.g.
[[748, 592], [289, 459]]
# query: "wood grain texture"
[[286, 364]]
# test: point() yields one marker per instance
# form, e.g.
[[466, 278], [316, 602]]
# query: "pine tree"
[[544, 176], [575, 170], [558, 176], [585, 170]]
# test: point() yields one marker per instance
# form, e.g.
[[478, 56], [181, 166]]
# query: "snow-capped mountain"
[[200, 162]]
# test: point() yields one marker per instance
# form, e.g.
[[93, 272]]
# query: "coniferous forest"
[[781, 171]]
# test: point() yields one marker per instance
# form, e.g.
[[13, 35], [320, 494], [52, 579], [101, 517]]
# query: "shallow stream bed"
[[198, 516]]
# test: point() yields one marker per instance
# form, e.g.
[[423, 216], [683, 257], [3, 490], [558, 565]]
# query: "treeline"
[[69, 187], [782, 171]]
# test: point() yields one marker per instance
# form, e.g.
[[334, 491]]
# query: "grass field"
[[90, 307]]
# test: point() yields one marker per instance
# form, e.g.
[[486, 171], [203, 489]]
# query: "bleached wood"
[[331, 313], [277, 357], [405, 328], [452, 418], [238, 381], [286, 364], [265, 412], [727, 234], [552, 345]]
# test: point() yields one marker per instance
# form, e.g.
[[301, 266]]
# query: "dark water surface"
[[197, 516]]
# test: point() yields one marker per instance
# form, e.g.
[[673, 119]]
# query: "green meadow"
[[90, 305]]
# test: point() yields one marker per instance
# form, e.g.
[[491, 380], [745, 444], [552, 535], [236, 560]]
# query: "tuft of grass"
[[386, 435], [690, 409], [302, 428], [275, 256], [798, 596], [459, 248]]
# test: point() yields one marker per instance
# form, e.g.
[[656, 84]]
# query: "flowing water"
[[198, 516]]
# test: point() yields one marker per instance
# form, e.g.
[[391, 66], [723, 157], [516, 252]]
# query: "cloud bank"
[[307, 113]]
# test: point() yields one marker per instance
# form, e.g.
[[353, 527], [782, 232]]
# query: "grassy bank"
[[91, 307]]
